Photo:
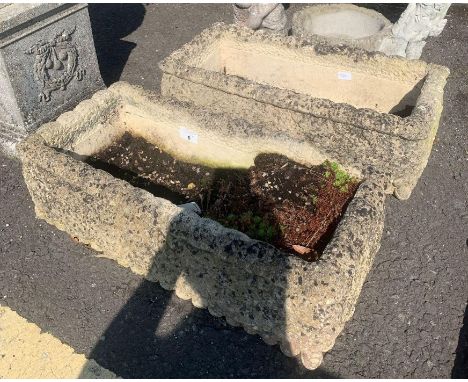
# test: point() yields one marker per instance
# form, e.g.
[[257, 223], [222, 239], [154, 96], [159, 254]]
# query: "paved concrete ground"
[[410, 316], [26, 352]]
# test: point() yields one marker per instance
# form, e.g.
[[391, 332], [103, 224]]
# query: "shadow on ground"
[[110, 23], [392, 11], [106, 312], [460, 367], [133, 346], [141, 343]]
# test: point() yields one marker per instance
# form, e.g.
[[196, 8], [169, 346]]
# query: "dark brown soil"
[[279, 201]]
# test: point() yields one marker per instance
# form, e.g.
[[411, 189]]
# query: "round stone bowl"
[[342, 24]]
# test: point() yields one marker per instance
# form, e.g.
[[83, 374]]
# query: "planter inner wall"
[[166, 128], [339, 80]]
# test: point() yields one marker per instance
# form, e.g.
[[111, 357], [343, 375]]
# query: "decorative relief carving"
[[56, 63]]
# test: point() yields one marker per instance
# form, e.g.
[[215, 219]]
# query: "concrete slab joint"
[[301, 306]]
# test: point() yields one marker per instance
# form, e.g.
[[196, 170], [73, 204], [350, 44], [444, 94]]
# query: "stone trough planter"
[[301, 305], [356, 107]]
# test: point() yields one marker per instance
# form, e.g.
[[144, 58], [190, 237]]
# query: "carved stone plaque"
[[48, 64], [56, 63]]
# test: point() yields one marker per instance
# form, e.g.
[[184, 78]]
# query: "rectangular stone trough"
[[357, 107], [301, 305]]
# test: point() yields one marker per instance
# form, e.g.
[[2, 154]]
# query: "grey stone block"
[[47, 64]]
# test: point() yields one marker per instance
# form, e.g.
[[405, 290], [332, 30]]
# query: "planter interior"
[[244, 188], [300, 305], [314, 75], [282, 202]]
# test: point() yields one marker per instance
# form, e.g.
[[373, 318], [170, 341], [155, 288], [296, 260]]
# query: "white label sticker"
[[188, 135], [345, 76]]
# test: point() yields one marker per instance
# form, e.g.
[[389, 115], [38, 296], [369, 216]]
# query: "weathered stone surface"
[[302, 306], [342, 24], [340, 98], [47, 65]]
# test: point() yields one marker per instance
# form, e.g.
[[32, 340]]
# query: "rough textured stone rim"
[[344, 264], [414, 127], [299, 17]]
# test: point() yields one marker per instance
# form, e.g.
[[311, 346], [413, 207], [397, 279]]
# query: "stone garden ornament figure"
[[416, 23], [368, 29], [271, 16]]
